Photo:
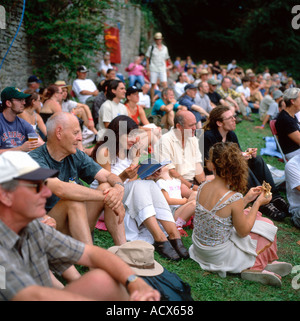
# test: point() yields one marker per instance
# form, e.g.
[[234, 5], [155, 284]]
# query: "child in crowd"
[[182, 208]]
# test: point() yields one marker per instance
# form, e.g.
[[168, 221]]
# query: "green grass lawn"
[[207, 286]]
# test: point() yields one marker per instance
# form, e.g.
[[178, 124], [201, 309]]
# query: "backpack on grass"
[[170, 286]]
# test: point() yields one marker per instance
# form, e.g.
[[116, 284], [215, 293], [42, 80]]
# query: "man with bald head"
[[75, 207], [181, 147]]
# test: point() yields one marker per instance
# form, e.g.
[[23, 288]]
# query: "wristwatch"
[[122, 184], [130, 279]]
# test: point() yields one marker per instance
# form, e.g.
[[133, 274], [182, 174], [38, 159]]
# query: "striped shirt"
[[27, 257]]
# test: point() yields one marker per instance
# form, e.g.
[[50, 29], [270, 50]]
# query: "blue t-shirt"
[[158, 104], [13, 134], [71, 168]]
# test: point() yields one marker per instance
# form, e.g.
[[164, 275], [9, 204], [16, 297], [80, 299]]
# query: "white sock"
[[180, 222]]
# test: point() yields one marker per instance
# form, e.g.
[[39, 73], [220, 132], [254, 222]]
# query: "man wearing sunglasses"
[[29, 249], [14, 130]]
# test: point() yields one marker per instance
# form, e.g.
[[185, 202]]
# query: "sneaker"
[[281, 205], [264, 277], [272, 212], [281, 268]]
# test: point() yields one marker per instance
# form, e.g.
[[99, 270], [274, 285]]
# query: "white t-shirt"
[[292, 176], [179, 89], [83, 84], [104, 67], [144, 100], [68, 105], [245, 91], [110, 110], [172, 187]]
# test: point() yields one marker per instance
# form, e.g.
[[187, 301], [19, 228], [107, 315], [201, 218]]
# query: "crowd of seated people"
[[100, 134]]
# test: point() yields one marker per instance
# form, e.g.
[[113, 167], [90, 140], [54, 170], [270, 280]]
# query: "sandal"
[[263, 277], [182, 232]]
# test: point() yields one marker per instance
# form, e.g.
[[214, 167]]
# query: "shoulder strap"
[[151, 53], [221, 199]]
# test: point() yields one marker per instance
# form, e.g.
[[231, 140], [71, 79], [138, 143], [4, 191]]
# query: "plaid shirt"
[[27, 257], [230, 92]]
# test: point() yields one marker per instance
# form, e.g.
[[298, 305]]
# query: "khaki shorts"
[[154, 76]]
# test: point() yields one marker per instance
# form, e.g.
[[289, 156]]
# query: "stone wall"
[[18, 65]]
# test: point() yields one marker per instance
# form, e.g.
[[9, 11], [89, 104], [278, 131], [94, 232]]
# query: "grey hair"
[[9, 186], [165, 91], [61, 118], [178, 119]]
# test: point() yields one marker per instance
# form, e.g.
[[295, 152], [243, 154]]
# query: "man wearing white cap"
[[157, 57], [29, 249], [84, 88]]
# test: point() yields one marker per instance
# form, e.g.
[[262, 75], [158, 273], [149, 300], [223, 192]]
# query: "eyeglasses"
[[38, 186], [229, 118]]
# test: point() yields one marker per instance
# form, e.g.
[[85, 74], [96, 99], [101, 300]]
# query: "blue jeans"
[[133, 79]]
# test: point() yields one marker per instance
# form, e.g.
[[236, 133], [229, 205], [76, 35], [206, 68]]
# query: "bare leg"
[[116, 230], [71, 219], [153, 227], [152, 91], [185, 211], [171, 229], [98, 285]]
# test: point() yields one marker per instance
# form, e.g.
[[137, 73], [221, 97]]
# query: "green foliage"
[[255, 32], [64, 34]]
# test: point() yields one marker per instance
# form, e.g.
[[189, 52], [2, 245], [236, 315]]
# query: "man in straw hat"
[[157, 57], [29, 249]]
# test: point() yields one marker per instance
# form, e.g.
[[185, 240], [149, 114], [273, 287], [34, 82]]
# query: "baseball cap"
[[132, 90], [12, 92], [32, 79], [189, 86], [277, 94], [139, 255], [19, 165], [82, 68], [212, 82]]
